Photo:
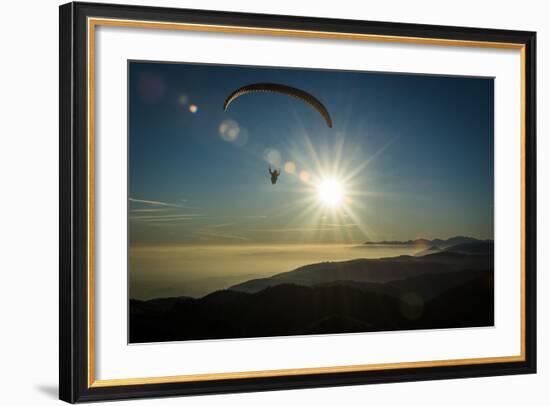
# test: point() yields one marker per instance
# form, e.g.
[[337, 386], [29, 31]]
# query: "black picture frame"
[[74, 384]]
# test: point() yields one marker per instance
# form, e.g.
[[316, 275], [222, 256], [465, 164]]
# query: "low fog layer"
[[195, 271]]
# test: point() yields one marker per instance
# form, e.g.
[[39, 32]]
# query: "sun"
[[331, 193]]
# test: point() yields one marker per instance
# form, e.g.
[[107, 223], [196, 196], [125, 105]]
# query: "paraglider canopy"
[[281, 89]]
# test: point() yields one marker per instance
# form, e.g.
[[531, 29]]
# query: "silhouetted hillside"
[[337, 307], [449, 288], [426, 286], [157, 305], [373, 270], [430, 250], [479, 247]]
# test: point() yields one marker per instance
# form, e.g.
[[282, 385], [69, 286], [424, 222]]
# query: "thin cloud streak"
[[149, 210], [323, 227], [153, 202], [174, 217], [210, 235], [220, 225]]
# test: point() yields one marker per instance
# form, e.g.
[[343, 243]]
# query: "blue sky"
[[413, 155]]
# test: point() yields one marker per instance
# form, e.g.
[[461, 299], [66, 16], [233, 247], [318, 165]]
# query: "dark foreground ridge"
[[449, 289]]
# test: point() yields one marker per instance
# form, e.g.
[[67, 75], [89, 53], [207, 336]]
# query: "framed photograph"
[[256, 202]]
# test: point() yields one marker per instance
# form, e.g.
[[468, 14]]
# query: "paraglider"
[[299, 94], [284, 90], [274, 175]]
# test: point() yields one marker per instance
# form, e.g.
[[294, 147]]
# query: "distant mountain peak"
[[438, 242]]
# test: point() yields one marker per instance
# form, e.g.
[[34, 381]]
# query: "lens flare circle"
[[290, 167], [273, 157], [183, 99], [229, 130]]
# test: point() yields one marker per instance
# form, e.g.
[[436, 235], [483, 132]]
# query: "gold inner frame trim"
[[94, 22]]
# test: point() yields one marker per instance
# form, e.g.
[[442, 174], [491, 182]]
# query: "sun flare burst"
[[331, 192], [331, 187]]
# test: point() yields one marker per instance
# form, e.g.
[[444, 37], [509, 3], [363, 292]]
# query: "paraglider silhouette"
[[274, 175], [285, 90]]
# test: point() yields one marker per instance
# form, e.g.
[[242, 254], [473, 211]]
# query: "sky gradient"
[[414, 154]]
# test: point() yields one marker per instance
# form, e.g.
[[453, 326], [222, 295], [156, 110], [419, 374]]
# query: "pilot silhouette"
[[274, 175]]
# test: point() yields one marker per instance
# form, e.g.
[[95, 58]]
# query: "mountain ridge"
[[448, 288], [441, 243], [378, 270], [289, 309]]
